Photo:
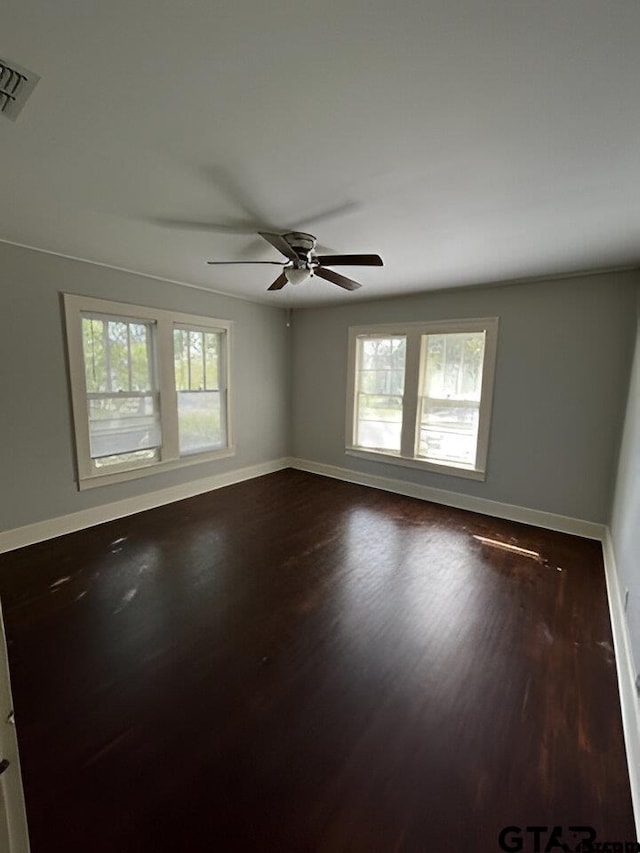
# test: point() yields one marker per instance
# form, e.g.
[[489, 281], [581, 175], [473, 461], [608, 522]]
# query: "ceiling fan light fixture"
[[295, 275], [302, 263]]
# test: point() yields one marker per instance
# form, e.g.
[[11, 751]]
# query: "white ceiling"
[[465, 142]]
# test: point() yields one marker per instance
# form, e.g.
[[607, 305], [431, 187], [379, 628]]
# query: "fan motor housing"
[[301, 243]]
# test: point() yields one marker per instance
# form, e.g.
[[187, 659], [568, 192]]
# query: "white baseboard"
[[48, 529], [536, 517], [41, 530], [629, 700]]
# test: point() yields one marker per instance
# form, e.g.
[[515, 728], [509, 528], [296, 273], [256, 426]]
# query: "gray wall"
[[564, 351], [36, 441], [558, 413], [625, 516]]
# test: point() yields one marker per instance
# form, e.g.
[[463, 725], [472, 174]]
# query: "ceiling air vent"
[[16, 84]]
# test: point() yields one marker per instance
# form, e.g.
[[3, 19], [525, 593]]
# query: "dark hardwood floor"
[[299, 664]]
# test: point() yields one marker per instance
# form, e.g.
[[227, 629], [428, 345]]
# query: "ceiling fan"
[[303, 263]]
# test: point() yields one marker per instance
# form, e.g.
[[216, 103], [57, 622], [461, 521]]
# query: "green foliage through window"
[[117, 355]]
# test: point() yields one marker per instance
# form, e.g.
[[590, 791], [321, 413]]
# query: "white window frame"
[[164, 322], [413, 332]]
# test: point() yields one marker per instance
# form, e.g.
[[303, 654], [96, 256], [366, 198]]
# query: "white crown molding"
[[629, 699], [129, 271], [535, 517], [41, 530]]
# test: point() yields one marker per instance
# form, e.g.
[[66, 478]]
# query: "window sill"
[[419, 464], [92, 481]]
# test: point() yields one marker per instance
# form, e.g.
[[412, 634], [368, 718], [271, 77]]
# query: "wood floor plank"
[[299, 664]]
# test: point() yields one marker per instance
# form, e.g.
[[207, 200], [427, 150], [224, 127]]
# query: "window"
[[149, 388], [420, 394]]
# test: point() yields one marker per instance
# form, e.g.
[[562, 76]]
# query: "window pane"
[[180, 342], [382, 381], [95, 364], [200, 422], [122, 458], [448, 433], [453, 366], [380, 353], [379, 391], [379, 423], [116, 355], [213, 347], [139, 341], [122, 424], [196, 361]]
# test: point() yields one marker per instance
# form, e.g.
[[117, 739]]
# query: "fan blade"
[[350, 260], [277, 263], [237, 226], [336, 278], [330, 213], [279, 283], [278, 242], [227, 182]]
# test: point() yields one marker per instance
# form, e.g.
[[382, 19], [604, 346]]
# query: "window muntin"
[[442, 418], [198, 358], [379, 391], [126, 412]]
